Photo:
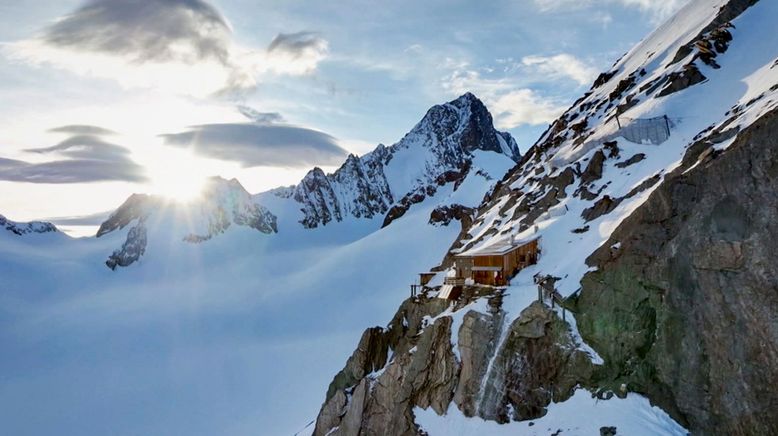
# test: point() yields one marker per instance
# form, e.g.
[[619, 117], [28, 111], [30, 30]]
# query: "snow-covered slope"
[[680, 97], [237, 334], [221, 204], [437, 151]]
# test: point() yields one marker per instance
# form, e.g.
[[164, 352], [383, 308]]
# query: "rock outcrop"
[[502, 375]]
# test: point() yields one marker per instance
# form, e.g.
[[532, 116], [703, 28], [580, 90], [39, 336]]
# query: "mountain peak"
[[467, 122], [222, 204], [20, 229], [466, 98], [439, 149]]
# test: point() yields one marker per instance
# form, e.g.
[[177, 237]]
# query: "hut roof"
[[499, 248]]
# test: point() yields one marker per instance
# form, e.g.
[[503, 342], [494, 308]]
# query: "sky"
[[103, 98]]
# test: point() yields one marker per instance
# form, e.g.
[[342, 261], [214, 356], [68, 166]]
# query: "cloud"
[[94, 219], [297, 53], [253, 144], [70, 171], [87, 159], [658, 10], [510, 104], [82, 129], [187, 31], [561, 66], [181, 46], [525, 106], [85, 146], [260, 117]]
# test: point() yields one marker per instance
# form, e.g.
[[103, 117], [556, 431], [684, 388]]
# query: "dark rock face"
[[370, 356], [443, 215], [137, 206], [132, 249], [728, 12], [684, 311], [601, 207], [375, 397], [20, 229], [442, 143], [537, 363], [593, 170], [631, 161], [678, 81], [362, 183]]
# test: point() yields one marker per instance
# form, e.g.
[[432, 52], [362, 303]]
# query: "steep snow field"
[[238, 333], [581, 415]]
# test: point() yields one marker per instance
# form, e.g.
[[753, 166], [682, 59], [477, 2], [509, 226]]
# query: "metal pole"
[[667, 125]]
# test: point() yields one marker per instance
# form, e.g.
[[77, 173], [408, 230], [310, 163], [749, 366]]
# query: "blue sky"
[[312, 80]]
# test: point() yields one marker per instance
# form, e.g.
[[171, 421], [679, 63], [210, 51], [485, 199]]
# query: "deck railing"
[[454, 281]]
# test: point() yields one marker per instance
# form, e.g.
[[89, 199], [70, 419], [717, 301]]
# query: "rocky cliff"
[[413, 363]]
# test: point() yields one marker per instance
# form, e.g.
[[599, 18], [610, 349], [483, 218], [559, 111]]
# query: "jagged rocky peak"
[[20, 229], [467, 122], [137, 206], [222, 196], [387, 181], [221, 204]]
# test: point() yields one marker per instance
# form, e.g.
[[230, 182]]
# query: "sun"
[[177, 175]]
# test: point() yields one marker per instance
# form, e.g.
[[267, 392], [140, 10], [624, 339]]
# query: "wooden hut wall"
[[490, 260]]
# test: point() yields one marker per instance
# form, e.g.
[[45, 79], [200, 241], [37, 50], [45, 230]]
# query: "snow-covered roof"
[[498, 248]]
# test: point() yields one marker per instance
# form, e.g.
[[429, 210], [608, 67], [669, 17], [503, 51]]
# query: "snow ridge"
[[221, 204], [20, 229]]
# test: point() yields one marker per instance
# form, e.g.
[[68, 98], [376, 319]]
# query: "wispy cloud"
[[260, 117], [511, 104], [188, 31], [87, 158], [297, 53], [561, 66], [184, 46], [82, 129], [254, 144]]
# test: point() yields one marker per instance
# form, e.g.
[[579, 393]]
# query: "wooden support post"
[[667, 125], [618, 122], [540, 294], [564, 313]]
